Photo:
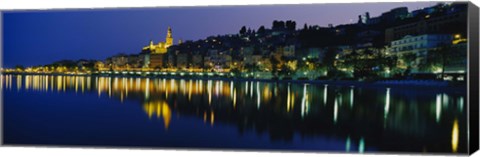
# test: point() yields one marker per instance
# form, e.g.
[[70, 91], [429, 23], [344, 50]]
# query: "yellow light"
[[167, 114], [161, 109], [234, 98], [459, 40], [457, 36], [212, 118], [204, 117], [288, 99], [455, 135]]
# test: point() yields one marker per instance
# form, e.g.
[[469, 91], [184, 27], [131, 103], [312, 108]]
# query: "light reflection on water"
[[361, 117]]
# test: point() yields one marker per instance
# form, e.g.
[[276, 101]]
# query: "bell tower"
[[169, 39]]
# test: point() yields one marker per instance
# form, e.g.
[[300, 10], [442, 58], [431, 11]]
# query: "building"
[[161, 47], [252, 59], [154, 55], [156, 60], [364, 18], [220, 62], [316, 53], [135, 61], [247, 50], [420, 43], [119, 62], [182, 61], [345, 49], [418, 46], [289, 51], [171, 61], [456, 67], [394, 14], [367, 38], [445, 23], [100, 66], [197, 62]]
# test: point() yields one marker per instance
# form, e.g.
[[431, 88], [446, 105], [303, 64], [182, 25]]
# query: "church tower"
[[169, 39], [151, 46]]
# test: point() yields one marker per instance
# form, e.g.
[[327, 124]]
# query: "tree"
[[438, 59], [236, 72], [368, 63], [261, 30], [89, 66], [243, 30], [278, 25], [443, 53], [329, 58], [19, 67], [406, 62], [290, 25], [285, 71], [320, 68], [249, 31], [275, 64], [251, 67]]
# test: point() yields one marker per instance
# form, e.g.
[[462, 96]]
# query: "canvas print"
[[349, 78]]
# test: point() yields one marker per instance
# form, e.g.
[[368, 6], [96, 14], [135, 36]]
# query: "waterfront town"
[[428, 43]]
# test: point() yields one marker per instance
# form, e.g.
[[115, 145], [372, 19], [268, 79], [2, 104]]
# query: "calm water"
[[157, 112]]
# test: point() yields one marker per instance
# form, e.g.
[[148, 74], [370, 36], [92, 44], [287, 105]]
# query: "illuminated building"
[[422, 45], [100, 66], [135, 60], [154, 53], [156, 61], [218, 61], [419, 44], [118, 62], [161, 47]]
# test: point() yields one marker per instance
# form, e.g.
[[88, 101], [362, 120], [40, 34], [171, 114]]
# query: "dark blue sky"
[[41, 37]]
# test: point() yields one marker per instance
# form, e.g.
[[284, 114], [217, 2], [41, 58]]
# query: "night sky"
[[42, 37]]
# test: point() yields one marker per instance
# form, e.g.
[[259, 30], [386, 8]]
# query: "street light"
[[457, 36]]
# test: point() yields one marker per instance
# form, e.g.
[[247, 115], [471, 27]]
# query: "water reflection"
[[258, 95], [361, 145], [387, 105], [160, 109], [305, 102], [455, 134], [335, 111], [347, 144], [362, 118], [351, 96], [438, 106], [325, 88]]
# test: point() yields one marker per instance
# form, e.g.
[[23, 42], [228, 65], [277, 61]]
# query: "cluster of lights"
[[169, 73]]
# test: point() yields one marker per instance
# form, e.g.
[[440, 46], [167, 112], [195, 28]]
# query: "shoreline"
[[377, 83]]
